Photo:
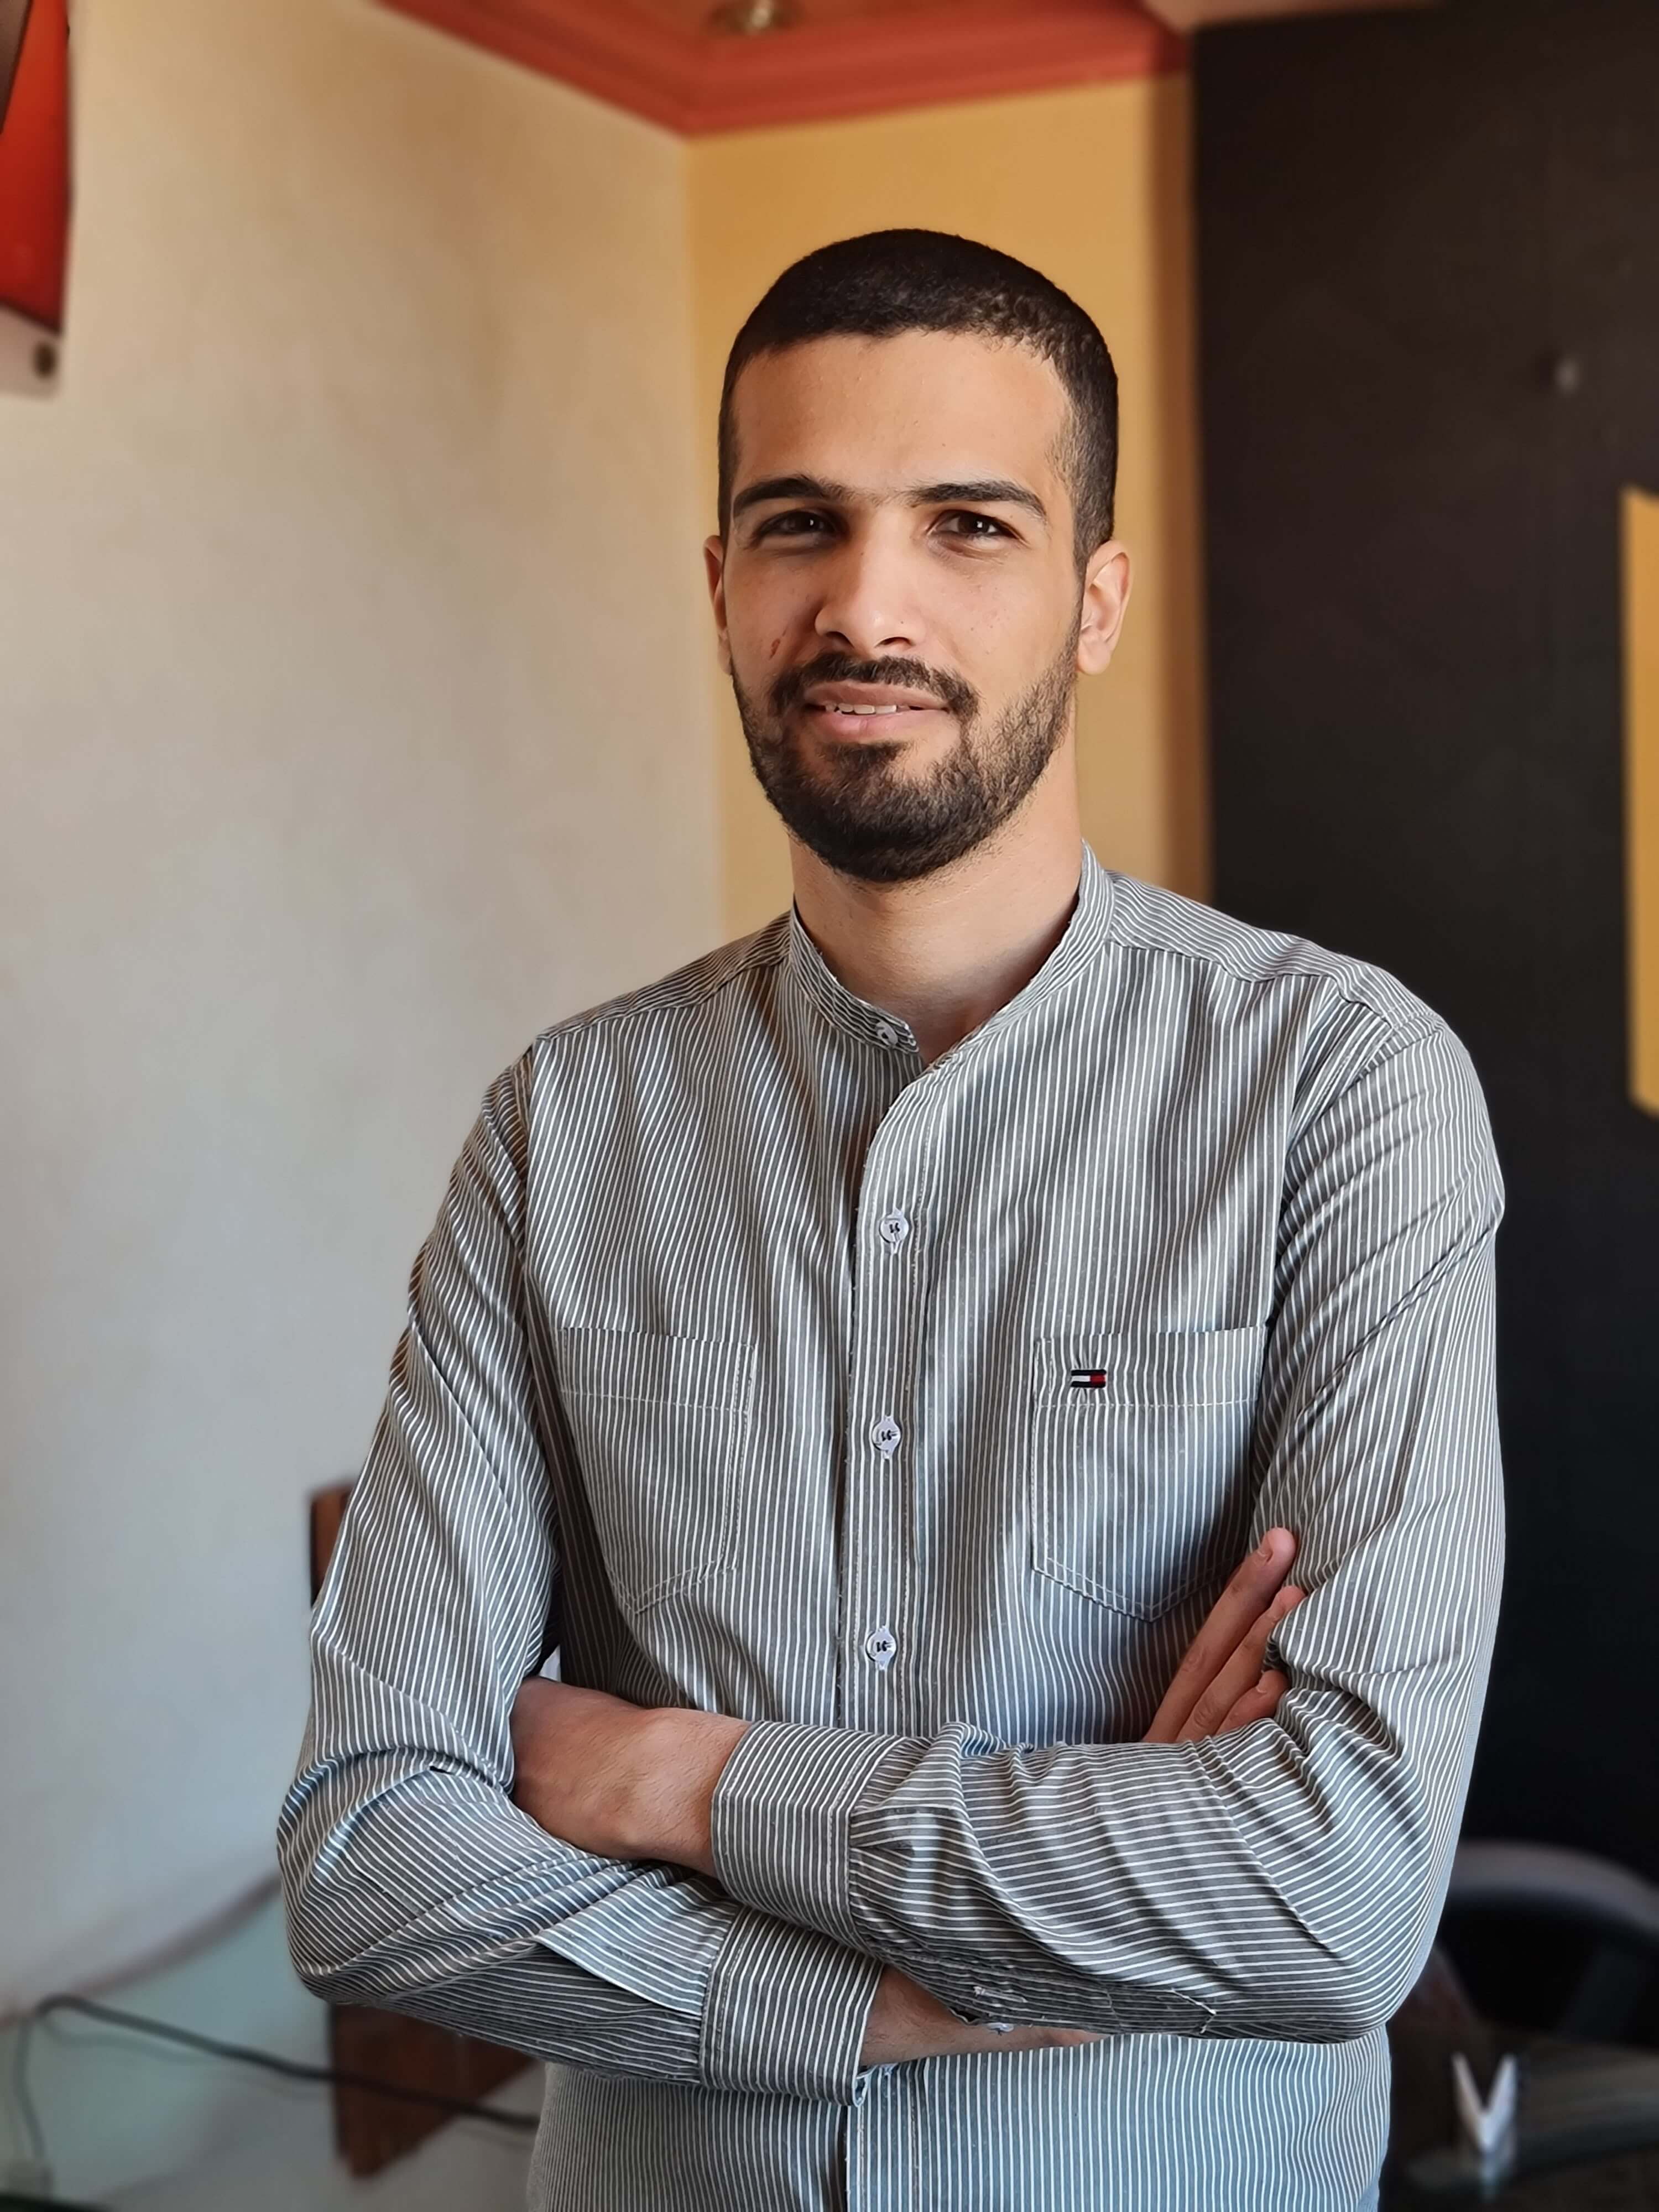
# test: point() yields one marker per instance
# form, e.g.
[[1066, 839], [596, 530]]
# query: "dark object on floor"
[[1612, 1912], [1588, 2134], [11, 2203]]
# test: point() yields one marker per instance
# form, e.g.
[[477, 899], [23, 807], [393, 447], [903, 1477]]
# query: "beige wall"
[[352, 726], [1090, 186]]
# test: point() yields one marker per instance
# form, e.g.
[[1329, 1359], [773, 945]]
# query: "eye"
[[794, 522], [968, 522]]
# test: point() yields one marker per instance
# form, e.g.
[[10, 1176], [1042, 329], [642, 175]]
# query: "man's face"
[[897, 593]]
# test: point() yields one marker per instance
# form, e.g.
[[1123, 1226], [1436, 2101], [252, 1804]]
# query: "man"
[[864, 1355]]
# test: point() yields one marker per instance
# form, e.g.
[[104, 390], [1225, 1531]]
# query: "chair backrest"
[[327, 1511]]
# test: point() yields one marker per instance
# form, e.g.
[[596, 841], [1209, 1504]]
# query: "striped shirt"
[[916, 1415]]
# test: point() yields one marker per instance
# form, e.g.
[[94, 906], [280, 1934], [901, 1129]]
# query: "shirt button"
[[894, 1229], [886, 1436], [886, 1034], [881, 1643]]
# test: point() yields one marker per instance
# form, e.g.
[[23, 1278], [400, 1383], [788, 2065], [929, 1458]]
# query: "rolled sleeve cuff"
[[658, 1938], [787, 2011], [779, 1821]]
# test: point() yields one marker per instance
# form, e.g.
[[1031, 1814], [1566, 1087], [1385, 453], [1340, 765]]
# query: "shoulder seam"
[[1405, 1033], [630, 1005]]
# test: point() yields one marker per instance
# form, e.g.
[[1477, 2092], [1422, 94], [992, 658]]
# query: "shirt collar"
[[1080, 942]]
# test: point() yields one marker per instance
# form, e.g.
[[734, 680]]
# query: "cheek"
[[762, 622], [982, 638], [1012, 634], [1008, 645]]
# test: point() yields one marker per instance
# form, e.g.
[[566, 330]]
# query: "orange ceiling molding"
[[1195, 15], [696, 80]]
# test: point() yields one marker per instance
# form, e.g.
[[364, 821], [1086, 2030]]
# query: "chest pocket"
[[1138, 1465], [660, 1425]]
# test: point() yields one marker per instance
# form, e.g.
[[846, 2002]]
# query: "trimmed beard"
[[860, 813]]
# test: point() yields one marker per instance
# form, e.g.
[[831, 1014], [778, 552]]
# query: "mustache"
[[953, 692]]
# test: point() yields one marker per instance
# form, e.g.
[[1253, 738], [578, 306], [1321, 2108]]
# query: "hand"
[[1223, 1682], [620, 1780]]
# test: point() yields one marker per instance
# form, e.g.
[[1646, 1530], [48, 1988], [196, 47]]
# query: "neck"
[[945, 951]]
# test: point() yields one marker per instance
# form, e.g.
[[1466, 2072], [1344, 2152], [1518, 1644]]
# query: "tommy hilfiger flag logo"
[[1088, 1378]]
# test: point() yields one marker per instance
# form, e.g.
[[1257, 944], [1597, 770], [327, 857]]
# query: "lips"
[[869, 702], [870, 699], [855, 714]]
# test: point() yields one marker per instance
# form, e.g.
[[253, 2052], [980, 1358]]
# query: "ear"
[[1105, 597], [713, 561]]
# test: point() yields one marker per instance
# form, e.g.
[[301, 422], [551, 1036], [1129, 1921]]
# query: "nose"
[[868, 607]]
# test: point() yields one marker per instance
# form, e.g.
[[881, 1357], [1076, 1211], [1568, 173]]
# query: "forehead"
[[925, 406]]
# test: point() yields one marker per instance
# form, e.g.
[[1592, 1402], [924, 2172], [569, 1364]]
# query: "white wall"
[[348, 600]]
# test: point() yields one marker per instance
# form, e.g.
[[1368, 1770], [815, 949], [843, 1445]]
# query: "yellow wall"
[[1642, 788], [1090, 185]]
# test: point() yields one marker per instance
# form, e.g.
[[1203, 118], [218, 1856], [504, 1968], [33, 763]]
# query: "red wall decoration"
[[34, 190]]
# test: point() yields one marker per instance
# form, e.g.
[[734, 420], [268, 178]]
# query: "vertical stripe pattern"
[[917, 1415]]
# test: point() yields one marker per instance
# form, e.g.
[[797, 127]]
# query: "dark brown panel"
[[327, 1511], [371, 2132], [1429, 295]]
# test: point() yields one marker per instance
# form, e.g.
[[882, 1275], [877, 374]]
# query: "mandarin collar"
[[1079, 944]]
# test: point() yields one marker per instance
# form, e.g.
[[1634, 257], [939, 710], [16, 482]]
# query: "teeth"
[[867, 710]]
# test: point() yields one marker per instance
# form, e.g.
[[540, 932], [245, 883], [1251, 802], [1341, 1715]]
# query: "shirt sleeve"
[[1283, 1879], [411, 1879]]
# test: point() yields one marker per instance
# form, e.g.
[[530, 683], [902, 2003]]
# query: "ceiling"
[[1195, 15], [708, 65], [692, 16]]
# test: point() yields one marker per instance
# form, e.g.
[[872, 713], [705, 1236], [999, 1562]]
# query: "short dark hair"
[[891, 281]]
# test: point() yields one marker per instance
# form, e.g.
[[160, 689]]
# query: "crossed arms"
[[1277, 1878], [635, 1784]]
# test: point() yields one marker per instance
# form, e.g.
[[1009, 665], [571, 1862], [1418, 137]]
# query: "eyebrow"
[[787, 488], [988, 491]]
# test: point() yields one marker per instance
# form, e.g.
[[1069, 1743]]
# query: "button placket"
[[888, 1297]]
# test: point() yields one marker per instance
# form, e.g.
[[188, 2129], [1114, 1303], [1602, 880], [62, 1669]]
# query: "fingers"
[[1257, 1704], [1235, 1612], [1031, 2038], [1242, 1672]]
